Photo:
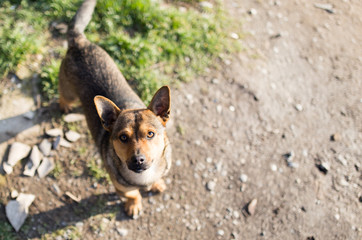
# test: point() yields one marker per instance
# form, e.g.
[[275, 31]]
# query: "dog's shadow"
[[72, 212]]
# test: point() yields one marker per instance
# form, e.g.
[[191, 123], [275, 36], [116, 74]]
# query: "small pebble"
[[336, 137], [232, 108], [234, 35], [210, 186], [273, 167], [54, 132], [122, 232], [72, 136], [299, 107], [14, 194], [220, 232], [252, 206], [252, 11], [243, 178], [219, 108], [74, 117]]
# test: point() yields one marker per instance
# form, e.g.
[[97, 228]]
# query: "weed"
[[97, 171], [49, 80], [58, 170]]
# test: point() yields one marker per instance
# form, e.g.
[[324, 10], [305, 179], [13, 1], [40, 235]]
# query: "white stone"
[[211, 185], [55, 132], [17, 152], [72, 136], [45, 147], [17, 210], [205, 4], [243, 178], [273, 167], [33, 162], [65, 143], [74, 117], [234, 35], [299, 107], [122, 232], [46, 166]]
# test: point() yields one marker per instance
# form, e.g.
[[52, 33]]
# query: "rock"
[[273, 167], [219, 108], [289, 156], [298, 107], [72, 136], [252, 11], [7, 168], [122, 232], [14, 194], [17, 152], [323, 166], [17, 210], [45, 147], [293, 164], [205, 4], [252, 206], [64, 143], [232, 108], [234, 35], [74, 117], [55, 132], [56, 189], [336, 137], [210, 186], [56, 142], [220, 232], [46, 166], [243, 178], [29, 115], [33, 162], [325, 6]]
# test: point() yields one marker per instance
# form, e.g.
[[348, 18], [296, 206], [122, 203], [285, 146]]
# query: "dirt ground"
[[297, 83]]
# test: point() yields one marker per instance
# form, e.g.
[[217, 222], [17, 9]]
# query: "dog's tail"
[[80, 21]]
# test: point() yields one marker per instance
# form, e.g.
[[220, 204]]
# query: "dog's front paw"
[[133, 207], [158, 186]]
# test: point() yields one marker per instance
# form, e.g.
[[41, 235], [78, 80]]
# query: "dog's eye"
[[150, 134], [123, 137]]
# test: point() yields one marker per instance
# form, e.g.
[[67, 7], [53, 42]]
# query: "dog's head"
[[138, 135]]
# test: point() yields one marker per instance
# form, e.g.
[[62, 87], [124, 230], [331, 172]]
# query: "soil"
[[259, 126]]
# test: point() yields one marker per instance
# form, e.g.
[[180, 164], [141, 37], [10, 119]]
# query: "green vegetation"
[[7, 232], [97, 171], [152, 43]]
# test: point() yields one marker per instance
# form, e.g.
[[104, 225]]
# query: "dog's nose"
[[138, 159]]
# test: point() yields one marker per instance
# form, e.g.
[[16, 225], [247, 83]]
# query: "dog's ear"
[[161, 103], [107, 111]]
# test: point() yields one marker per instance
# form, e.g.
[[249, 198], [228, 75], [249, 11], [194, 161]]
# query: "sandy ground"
[[297, 83]]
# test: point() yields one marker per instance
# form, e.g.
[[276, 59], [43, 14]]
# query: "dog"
[[131, 137]]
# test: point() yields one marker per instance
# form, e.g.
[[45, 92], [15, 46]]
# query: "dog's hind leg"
[[67, 94]]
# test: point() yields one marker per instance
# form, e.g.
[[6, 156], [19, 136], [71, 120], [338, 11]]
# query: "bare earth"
[[297, 83]]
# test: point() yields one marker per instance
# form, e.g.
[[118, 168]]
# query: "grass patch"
[[152, 43], [7, 232], [97, 171]]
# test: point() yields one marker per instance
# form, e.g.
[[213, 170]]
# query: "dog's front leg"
[[133, 205]]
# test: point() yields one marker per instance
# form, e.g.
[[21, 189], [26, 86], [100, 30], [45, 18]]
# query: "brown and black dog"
[[131, 137]]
